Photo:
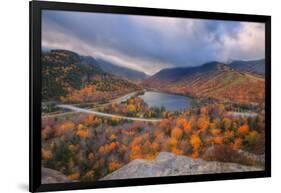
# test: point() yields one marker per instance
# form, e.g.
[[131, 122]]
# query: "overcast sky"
[[150, 44]]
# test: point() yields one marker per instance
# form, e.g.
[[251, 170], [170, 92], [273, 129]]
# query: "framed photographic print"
[[126, 96]]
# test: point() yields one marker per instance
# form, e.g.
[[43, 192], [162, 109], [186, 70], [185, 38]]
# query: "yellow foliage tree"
[[131, 108], [226, 123], [74, 176], [80, 126], [252, 137]]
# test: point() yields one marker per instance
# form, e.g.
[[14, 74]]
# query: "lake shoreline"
[[171, 102]]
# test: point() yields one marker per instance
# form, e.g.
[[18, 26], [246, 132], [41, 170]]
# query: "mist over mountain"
[[121, 71], [115, 69], [150, 43]]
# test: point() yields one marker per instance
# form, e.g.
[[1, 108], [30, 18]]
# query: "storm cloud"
[[149, 43]]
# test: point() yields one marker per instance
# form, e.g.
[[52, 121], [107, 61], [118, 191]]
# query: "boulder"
[[168, 164]]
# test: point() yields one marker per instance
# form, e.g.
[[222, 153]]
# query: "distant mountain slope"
[[212, 79], [115, 69], [121, 71], [67, 74], [252, 66], [177, 74]]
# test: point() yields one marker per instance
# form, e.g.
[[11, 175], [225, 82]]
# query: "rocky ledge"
[[168, 164], [50, 176]]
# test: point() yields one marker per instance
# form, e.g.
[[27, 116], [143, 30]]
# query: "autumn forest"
[[225, 116], [134, 96]]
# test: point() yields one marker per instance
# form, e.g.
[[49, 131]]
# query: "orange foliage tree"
[[195, 141], [203, 122], [243, 129], [237, 143], [114, 165], [82, 131], [46, 154], [63, 127], [218, 140], [135, 152], [176, 133], [188, 126]]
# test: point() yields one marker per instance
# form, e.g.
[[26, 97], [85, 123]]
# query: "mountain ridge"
[[65, 73], [183, 71], [210, 80], [118, 70], [250, 66], [105, 65]]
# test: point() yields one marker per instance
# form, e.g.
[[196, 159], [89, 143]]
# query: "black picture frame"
[[35, 94]]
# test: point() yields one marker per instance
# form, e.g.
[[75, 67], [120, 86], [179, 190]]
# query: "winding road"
[[94, 104], [77, 109]]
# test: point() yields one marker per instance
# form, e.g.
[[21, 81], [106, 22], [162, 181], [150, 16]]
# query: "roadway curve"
[[77, 109]]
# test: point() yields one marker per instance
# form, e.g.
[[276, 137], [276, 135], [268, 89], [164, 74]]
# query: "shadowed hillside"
[[252, 66]]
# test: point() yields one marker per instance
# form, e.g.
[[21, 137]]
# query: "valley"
[[95, 121]]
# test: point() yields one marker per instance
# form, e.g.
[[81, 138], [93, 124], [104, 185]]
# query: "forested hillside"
[[214, 80], [67, 77]]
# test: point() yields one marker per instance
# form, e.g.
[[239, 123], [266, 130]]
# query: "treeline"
[[135, 107]]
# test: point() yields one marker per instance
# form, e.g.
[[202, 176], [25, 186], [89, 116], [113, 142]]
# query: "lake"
[[171, 102]]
